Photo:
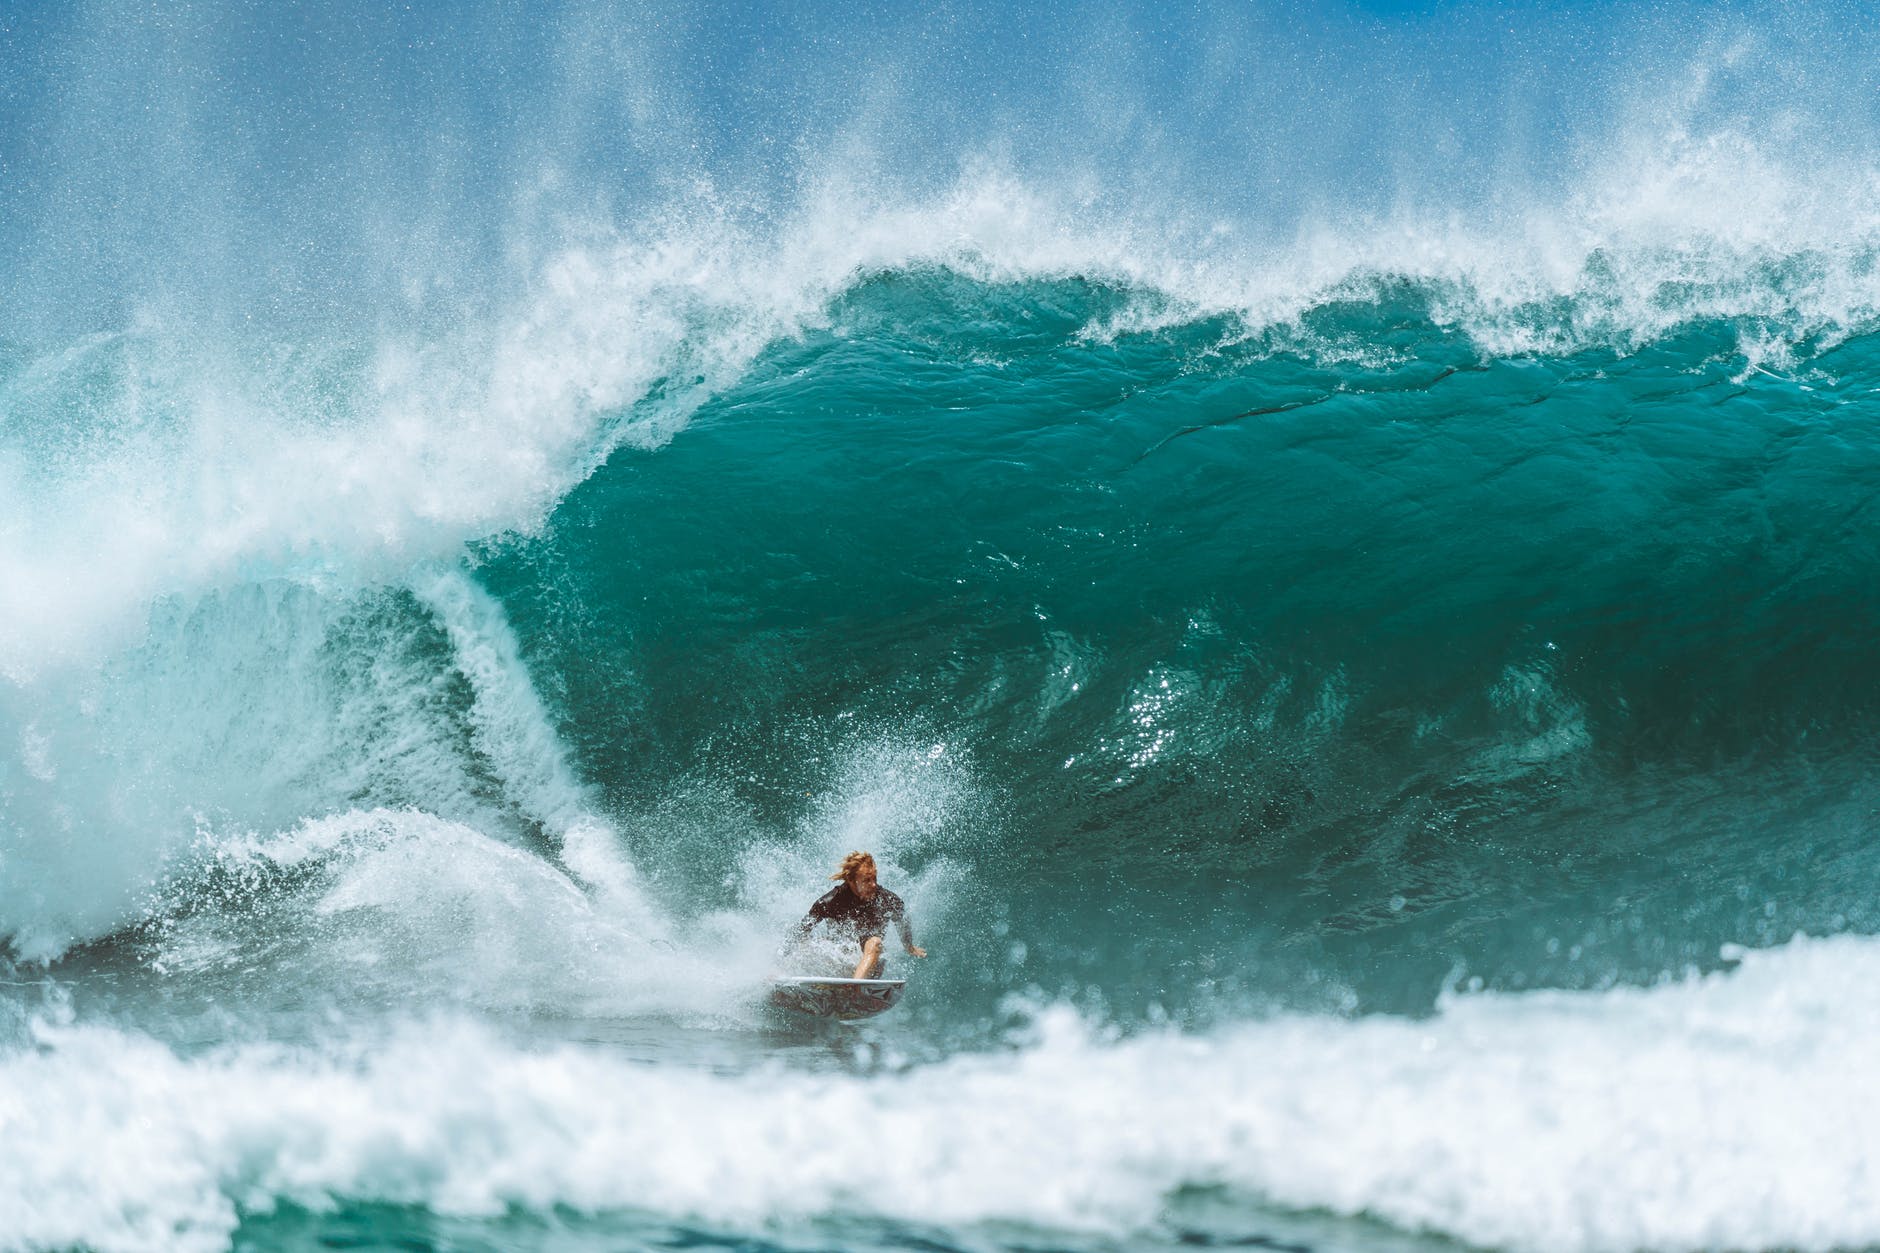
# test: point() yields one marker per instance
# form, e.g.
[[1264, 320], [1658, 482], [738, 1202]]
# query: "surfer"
[[860, 908]]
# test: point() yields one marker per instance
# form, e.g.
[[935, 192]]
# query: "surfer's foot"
[[871, 958]]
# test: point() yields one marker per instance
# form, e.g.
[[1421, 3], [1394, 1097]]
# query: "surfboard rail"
[[848, 1000]]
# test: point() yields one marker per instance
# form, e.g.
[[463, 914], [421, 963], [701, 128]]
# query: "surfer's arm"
[[907, 937], [818, 912]]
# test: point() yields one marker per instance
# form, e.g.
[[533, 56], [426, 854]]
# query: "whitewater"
[[1329, 553]]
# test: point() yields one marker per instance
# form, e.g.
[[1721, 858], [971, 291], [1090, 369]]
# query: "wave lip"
[[1724, 1111]]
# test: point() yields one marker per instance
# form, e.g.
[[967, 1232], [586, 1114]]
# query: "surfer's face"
[[863, 884]]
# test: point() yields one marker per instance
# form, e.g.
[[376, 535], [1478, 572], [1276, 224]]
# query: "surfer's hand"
[[916, 950]]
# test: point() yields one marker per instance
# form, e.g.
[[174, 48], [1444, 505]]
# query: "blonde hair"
[[851, 864]]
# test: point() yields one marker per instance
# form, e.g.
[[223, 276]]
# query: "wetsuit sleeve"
[[900, 922], [817, 912]]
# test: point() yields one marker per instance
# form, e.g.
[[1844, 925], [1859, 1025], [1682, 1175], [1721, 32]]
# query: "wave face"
[[1371, 631], [1340, 593]]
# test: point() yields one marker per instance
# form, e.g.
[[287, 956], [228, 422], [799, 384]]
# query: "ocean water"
[[1330, 551]]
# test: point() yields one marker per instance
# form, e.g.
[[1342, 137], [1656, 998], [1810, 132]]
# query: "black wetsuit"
[[851, 916]]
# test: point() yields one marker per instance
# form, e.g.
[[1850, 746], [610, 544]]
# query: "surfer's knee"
[[872, 945]]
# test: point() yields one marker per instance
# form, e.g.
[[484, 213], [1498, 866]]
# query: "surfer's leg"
[[871, 958]]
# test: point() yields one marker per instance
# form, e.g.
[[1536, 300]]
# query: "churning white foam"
[[260, 708], [1733, 1110], [399, 906]]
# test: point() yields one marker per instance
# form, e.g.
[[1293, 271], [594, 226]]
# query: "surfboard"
[[849, 1000]]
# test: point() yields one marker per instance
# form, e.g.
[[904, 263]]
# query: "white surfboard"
[[849, 1000]]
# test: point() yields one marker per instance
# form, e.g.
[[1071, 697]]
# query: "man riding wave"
[[858, 908]]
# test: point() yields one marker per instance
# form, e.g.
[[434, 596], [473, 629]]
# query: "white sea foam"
[[252, 710], [400, 906], [1733, 1110], [403, 906]]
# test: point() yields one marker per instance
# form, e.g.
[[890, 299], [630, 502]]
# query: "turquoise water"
[[1366, 690]]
